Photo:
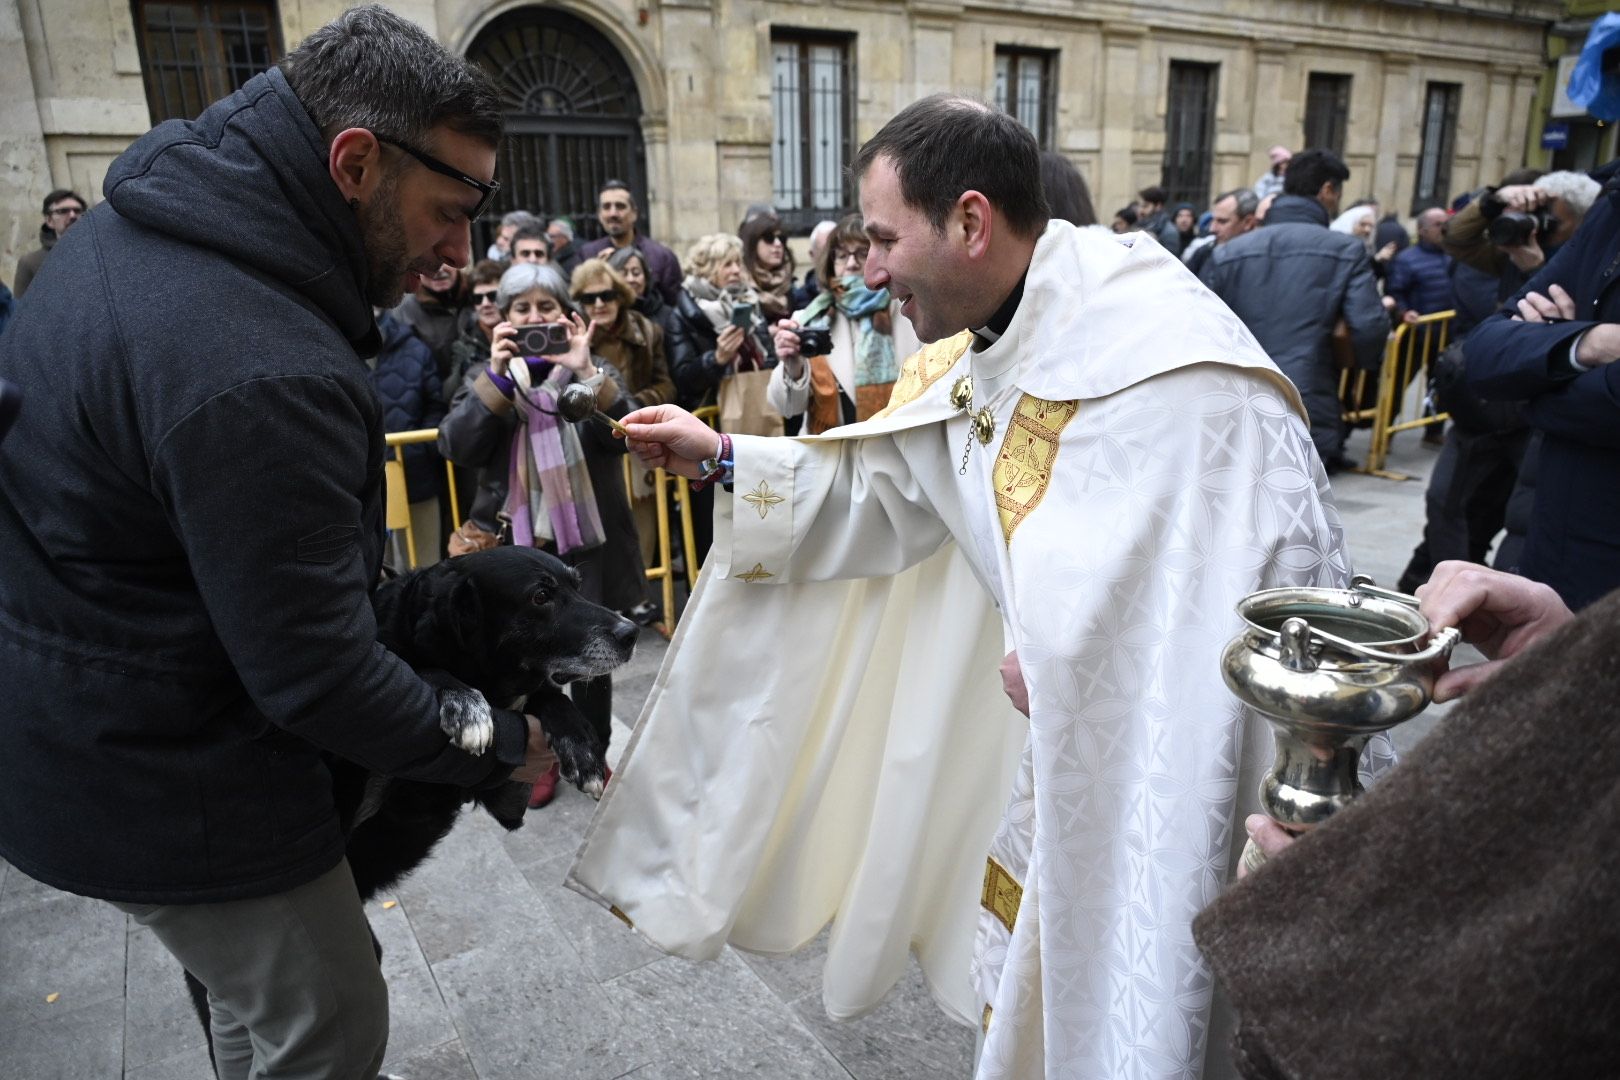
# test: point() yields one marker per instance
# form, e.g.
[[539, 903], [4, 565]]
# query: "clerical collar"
[[990, 333]]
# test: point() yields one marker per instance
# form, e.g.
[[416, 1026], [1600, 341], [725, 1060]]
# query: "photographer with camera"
[[1510, 231], [568, 496], [839, 356], [1552, 347]]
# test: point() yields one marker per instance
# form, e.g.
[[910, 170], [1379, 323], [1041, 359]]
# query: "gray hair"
[[622, 256], [526, 277], [1247, 201], [519, 219], [562, 225], [1578, 190], [369, 68]]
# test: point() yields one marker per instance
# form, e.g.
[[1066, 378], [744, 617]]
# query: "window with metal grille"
[[1327, 112], [194, 54], [1189, 132], [1439, 139], [813, 105], [1025, 89]]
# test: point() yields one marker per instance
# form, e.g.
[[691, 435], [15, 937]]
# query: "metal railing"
[[399, 506], [1403, 388]]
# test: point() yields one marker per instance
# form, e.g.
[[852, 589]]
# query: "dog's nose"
[[625, 631]]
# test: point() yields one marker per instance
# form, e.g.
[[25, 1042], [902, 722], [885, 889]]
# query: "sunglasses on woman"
[[607, 296], [774, 238], [481, 298]]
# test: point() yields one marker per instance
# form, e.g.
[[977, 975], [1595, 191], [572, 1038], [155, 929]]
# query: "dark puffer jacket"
[[1420, 280], [191, 522], [407, 382], [1290, 281]]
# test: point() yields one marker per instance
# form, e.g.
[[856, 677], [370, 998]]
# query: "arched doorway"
[[573, 116]]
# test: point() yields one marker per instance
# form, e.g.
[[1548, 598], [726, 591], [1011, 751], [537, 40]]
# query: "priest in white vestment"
[[1091, 464]]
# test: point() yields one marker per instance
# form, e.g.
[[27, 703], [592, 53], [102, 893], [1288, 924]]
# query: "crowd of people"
[[993, 339]]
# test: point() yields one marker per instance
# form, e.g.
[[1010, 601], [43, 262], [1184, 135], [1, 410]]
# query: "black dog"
[[507, 627]]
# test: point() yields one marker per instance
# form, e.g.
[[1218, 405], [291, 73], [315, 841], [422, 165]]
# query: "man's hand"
[[1410, 317], [1556, 306], [669, 437], [1270, 837], [1499, 614], [1599, 345], [1527, 256], [537, 758], [1522, 197], [1012, 681]]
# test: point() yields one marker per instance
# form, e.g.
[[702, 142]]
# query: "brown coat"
[[1461, 920], [637, 351]]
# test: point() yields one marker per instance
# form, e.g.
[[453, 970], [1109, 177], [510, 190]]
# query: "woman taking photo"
[[713, 343], [543, 482], [634, 345], [868, 338]]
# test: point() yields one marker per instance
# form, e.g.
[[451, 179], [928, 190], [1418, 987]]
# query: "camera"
[[815, 341], [542, 339], [742, 315], [1511, 228]]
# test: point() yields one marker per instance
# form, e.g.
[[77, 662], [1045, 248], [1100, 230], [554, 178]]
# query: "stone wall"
[[74, 96]]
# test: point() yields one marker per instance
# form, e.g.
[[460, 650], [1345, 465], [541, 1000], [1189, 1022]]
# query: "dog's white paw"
[[464, 716], [594, 788]]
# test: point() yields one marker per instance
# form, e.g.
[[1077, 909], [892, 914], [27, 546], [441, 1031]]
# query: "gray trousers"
[[294, 987]]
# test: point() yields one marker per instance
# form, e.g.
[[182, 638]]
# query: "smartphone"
[[542, 339], [742, 315], [10, 403]]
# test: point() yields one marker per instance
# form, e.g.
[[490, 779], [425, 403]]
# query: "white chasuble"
[[827, 739]]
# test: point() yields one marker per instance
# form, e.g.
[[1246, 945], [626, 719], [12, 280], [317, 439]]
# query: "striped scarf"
[[549, 497]]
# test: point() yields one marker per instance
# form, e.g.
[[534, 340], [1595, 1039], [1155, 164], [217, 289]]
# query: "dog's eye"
[[540, 598]]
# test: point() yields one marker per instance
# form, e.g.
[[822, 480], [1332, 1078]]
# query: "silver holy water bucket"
[[1329, 668]]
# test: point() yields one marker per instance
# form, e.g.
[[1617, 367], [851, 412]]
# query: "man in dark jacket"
[[1553, 346], [1293, 279], [1420, 276], [62, 209], [191, 522], [617, 211]]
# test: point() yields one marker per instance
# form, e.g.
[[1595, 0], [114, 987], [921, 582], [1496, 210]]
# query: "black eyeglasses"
[[486, 191], [607, 296], [482, 298], [774, 238], [64, 211]]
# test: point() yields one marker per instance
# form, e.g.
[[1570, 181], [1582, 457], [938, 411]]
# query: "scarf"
[[773, 286], [549, 497], [875, 363], [716, 302]]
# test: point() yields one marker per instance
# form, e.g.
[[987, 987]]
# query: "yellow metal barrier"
[[399, 505], [1411, 352]]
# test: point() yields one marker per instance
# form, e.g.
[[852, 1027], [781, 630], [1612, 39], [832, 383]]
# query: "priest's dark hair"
[[1308, 170], [945, 145], [370, 68]]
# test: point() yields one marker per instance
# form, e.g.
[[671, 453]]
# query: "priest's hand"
[[1500, 614], [669, 437], [1012, 681]]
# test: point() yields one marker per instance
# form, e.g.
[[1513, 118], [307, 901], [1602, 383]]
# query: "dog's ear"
[[464, 616], [450, 623]]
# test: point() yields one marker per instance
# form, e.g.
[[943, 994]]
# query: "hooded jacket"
[[191, 521]]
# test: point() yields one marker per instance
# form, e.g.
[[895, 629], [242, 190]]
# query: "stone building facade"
[[707, 106]]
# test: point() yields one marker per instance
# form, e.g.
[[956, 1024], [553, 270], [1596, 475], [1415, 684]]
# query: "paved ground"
[[498, 972]]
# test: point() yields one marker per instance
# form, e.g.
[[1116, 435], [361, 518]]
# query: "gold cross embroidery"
[[758, 573], [762, 498]]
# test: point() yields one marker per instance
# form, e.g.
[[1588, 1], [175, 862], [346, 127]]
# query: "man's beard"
[[382, 233]]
